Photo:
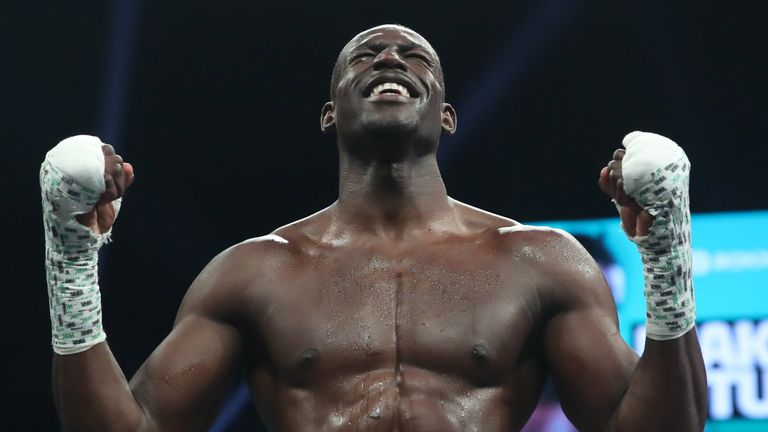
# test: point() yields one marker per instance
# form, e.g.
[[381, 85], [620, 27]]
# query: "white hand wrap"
[[72, 181], [656, 173]]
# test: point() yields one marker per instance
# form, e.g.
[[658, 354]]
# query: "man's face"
[[389, 85]]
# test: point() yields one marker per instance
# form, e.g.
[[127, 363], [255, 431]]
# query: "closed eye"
[[423, 58], [360, 57]]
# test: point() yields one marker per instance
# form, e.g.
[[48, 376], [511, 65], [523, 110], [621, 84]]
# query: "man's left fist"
[[634, 220]]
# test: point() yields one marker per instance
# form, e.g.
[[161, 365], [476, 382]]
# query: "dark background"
[[217, 106]]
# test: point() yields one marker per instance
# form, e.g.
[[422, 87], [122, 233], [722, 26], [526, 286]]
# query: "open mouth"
[[388, 87]]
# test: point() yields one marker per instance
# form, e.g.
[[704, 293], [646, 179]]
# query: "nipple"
[[308, 356], [481, 353]]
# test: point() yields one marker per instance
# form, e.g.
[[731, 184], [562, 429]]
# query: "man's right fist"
[[118, 177], [83, 178]]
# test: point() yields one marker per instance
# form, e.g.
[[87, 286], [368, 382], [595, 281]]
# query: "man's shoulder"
[[250, 270], [240, 263], [557, 254], [268, 246], [565, 274], [541, 237], [240, 275], [284, 243], [565, 271], [554, 248], [512, 233]]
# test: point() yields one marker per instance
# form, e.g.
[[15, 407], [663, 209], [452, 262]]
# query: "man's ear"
[[449, 119], [327, 119]]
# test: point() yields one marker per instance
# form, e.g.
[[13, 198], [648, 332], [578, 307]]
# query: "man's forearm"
[[90, 391], [668, 388], [668, 391], [92, 394]]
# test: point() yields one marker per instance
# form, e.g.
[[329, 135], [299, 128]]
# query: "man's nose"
[[389, 58]]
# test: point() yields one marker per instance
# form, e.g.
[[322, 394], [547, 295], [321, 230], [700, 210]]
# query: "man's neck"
[[393, 199]]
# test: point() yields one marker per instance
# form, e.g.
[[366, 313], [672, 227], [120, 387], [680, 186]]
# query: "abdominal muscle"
[[419, 400]]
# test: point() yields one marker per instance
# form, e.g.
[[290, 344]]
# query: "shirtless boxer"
[[397, 308]]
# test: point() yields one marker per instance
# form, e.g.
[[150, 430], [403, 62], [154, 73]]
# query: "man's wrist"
[[670, 306]]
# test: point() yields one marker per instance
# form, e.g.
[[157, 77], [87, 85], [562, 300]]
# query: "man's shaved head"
[[360, 37]]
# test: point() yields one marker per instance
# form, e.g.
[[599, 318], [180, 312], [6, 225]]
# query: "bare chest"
[[455, 314]]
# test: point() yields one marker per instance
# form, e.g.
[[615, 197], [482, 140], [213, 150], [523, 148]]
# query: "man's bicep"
[[184, 381], [591, 364]]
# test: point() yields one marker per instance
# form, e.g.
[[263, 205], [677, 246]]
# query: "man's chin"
[[391, 127]]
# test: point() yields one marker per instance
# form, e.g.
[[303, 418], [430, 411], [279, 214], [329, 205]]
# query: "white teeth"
[[402, 91]]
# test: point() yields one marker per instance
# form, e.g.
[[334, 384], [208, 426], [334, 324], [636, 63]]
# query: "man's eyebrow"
[[381, 45], [364, 41]]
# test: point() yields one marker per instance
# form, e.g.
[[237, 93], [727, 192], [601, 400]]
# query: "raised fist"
[[635, 220], [118, 177]]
